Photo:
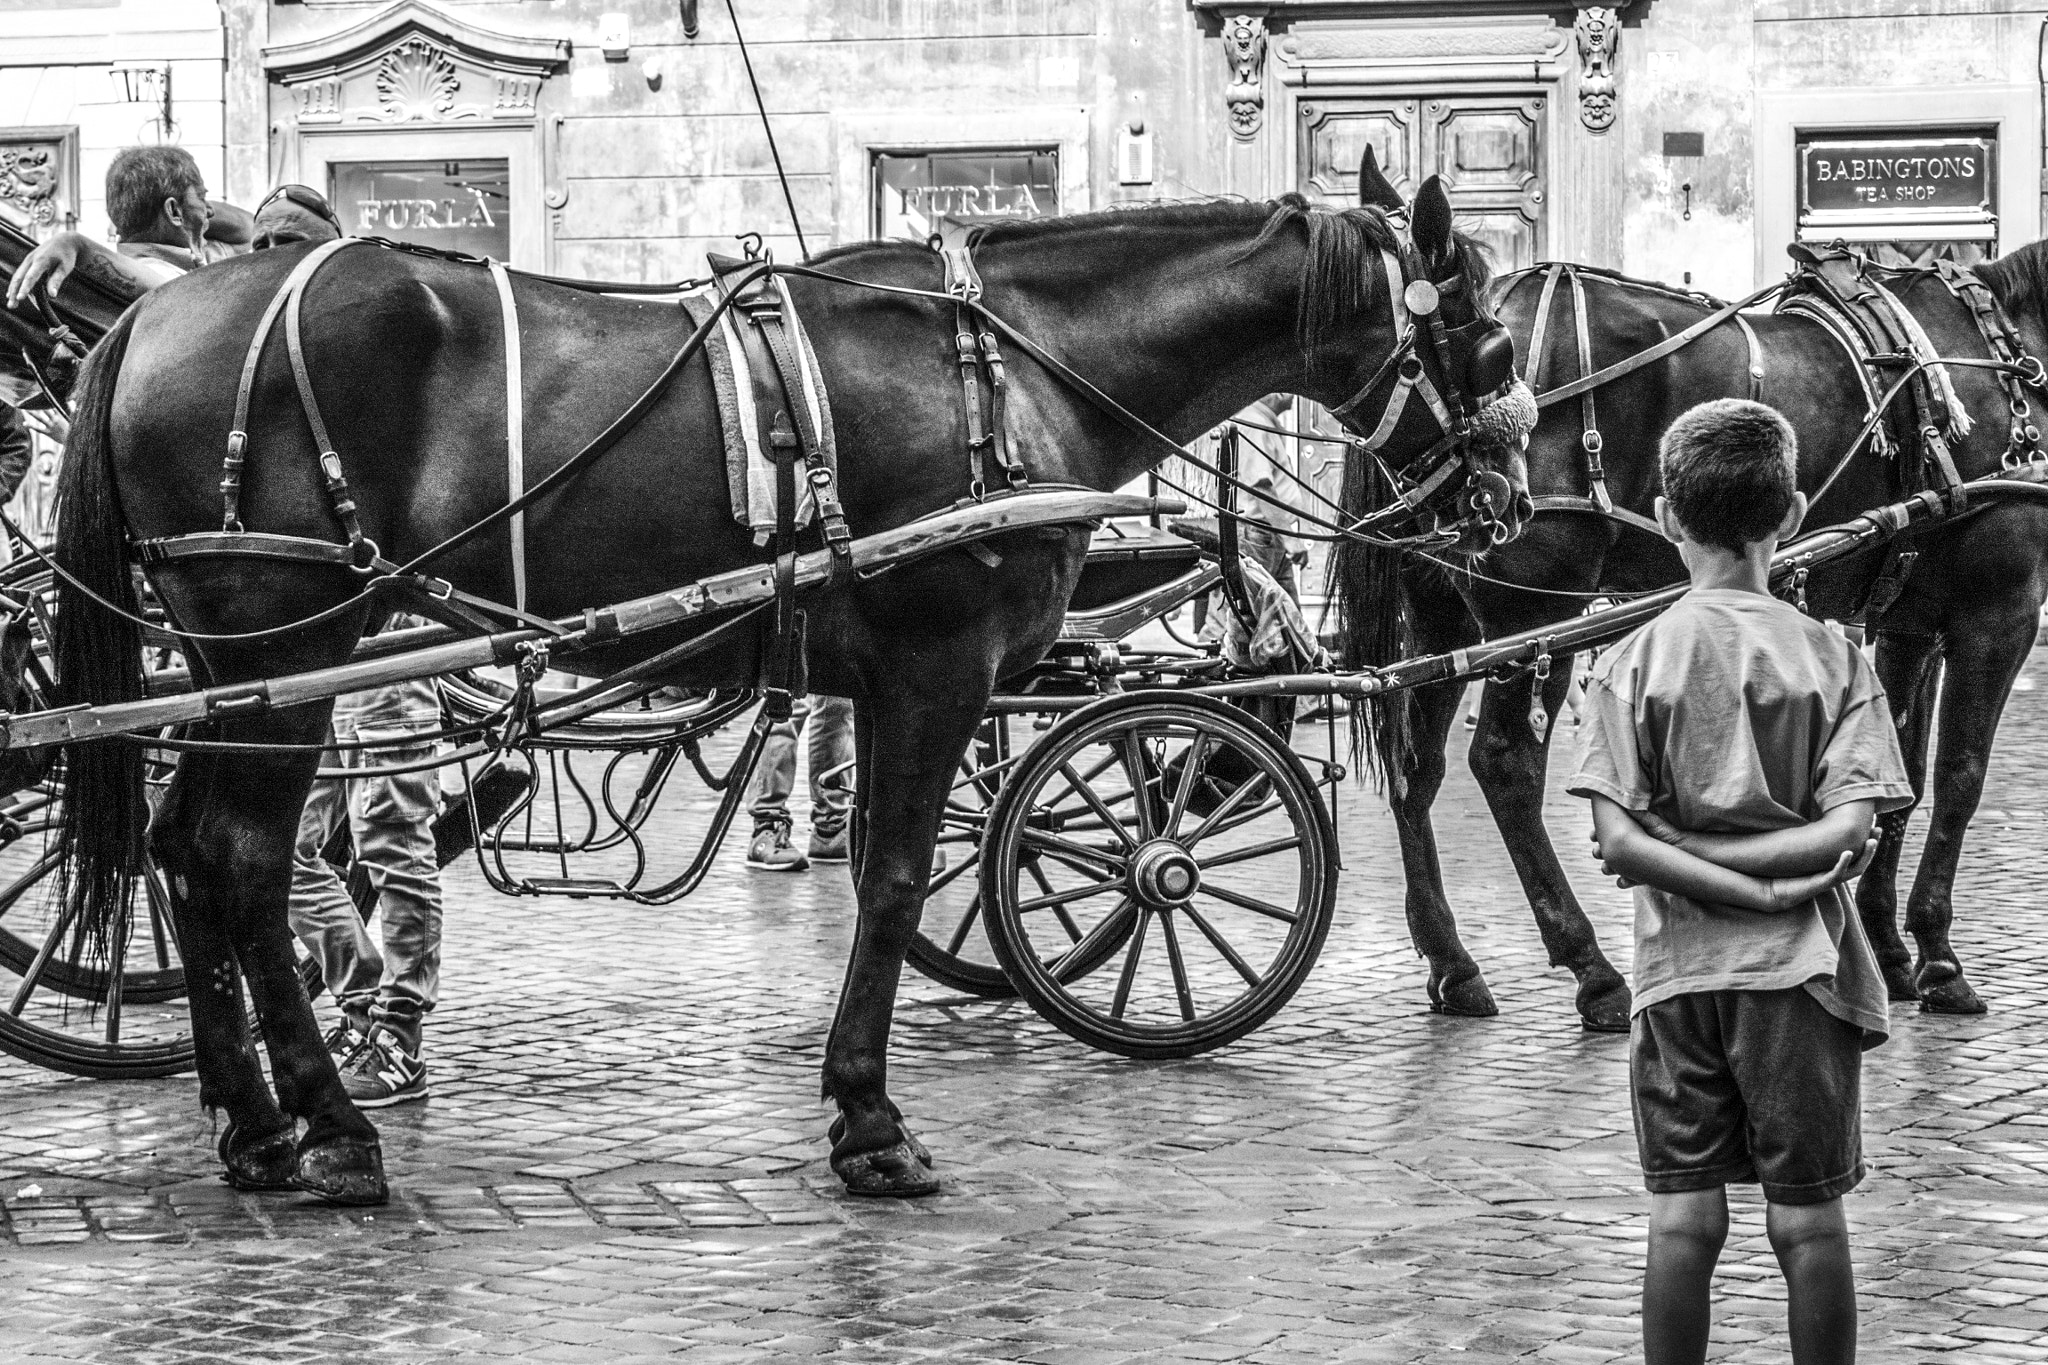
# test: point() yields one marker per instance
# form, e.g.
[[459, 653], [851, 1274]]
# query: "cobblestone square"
[[623, 1157]]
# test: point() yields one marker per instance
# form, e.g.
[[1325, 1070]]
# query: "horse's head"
[[1433, 392]]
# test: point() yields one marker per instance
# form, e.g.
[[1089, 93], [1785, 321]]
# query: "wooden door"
[[1487, 147]]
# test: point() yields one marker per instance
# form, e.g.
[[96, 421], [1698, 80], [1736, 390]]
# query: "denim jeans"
[[391, 821], [831, 747]]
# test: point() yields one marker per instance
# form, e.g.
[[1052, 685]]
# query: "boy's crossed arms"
[[1769, 872]]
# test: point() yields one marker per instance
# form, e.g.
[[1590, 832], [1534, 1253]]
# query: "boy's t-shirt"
[[1735, 713]]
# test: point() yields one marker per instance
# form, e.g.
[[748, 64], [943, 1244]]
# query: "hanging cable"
[[769, 129]]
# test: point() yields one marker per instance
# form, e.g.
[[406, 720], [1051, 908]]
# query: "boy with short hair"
[[1737, 753]]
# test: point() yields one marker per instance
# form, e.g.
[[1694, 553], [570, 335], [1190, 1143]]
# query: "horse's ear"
[[1374, 189], [1429, 220]]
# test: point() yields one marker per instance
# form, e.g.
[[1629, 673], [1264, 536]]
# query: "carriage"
[[1146, 847]]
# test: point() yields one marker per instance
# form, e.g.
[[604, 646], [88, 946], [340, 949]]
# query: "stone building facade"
[[1678, 139]]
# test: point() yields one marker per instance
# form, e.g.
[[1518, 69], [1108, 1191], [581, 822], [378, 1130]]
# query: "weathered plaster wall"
[[54, 64], [1689, 69], [657, 170]]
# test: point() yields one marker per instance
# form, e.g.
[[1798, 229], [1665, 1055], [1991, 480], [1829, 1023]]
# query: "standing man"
[[773, 849], [157, 200]]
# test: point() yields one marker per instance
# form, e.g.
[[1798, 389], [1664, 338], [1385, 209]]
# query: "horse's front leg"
[[909, 747], [1908, 667], [1980, 660], [228, 846], [1511, 760]]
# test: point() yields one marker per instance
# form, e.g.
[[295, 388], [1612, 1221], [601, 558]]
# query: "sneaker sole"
[[402, 1097], [776, 867], [828, 858]]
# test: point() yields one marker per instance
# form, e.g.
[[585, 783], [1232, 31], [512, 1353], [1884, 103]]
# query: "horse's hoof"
[[902, 1170], [1898, 981], [265, 1164], [344, 1170], [1605, 1009], [1464, 996], [1943, 989], [836, 1134]]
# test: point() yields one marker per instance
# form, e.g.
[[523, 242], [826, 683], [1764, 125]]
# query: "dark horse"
[[1972, 602], [1182, 313]]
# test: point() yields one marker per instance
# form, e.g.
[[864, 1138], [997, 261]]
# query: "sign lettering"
[[1951, 174]]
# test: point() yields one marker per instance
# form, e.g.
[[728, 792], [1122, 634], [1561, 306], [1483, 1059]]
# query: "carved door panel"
[[1487, 148]]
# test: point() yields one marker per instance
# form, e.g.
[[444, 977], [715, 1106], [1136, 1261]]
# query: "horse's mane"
[[2019, 278]]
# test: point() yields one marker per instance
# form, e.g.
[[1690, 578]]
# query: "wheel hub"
[[1164, 874]]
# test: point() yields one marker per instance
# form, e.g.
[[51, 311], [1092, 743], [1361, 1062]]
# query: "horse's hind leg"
[[1981, 659], [259, 1148], [1908, 668], [228, 847], [908, 750]]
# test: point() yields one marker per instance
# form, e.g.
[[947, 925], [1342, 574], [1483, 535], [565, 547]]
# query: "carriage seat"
[[1125, 561]]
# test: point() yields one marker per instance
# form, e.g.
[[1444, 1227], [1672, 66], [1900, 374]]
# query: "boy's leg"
[[1812, 1245], [394, 829], [1687, 1231]]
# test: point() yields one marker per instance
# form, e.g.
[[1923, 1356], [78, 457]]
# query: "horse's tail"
[[1373, 602], [99, 659]]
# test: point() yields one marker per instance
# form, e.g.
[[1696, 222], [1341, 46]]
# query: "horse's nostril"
[[1525, 508]]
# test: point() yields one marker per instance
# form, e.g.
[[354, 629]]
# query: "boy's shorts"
[[1734, 1086]]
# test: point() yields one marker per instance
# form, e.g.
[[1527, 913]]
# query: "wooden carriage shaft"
[[1523, 649], [720, 593]]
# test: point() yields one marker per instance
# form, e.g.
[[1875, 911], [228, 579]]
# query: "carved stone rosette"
[[1244, 44], [38, 176], [1598, 30]]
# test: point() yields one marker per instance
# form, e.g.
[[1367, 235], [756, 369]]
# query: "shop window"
[[456, 205], [1902, 196], [918, 193]]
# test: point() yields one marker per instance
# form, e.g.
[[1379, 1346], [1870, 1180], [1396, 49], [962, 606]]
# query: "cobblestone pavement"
[[623, 1158]]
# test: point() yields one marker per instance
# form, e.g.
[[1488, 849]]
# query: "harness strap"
[[1845, 335], [515, 429], [963, 284], [1674, 342], [1756, 359], [363, 551], [769, 315], [238, 434], [1540, 331], [1572, 502], [1589, 439]]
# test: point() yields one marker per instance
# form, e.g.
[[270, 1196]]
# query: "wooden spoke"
[[1221, 945], [34, 973], [1052, 843], [1079, 893], [953, 874], [1181, 990], [1240, 855], [1087, 793], [1084, 947], [11, 897], [1130, 971], [960, 931], [1251, 903], [1139, 764], [1191, 772], [1210, 825]]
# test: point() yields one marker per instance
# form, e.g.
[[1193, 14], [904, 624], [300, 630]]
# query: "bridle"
[[1429, 485]]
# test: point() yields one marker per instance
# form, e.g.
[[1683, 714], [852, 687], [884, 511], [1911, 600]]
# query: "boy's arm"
[[1811, 847], [1631, 853]]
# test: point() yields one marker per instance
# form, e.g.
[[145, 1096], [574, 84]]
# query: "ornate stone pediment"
[[411, 63], [39, 176]]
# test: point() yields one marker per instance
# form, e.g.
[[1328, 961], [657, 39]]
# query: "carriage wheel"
[[123, 1019], [1175, 843], [67, 1014], [951, 945]]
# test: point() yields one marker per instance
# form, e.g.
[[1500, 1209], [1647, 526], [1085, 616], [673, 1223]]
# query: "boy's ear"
[[1667, 521], [1795, 517]]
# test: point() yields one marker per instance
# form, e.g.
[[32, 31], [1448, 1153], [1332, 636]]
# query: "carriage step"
[[576, 888]]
